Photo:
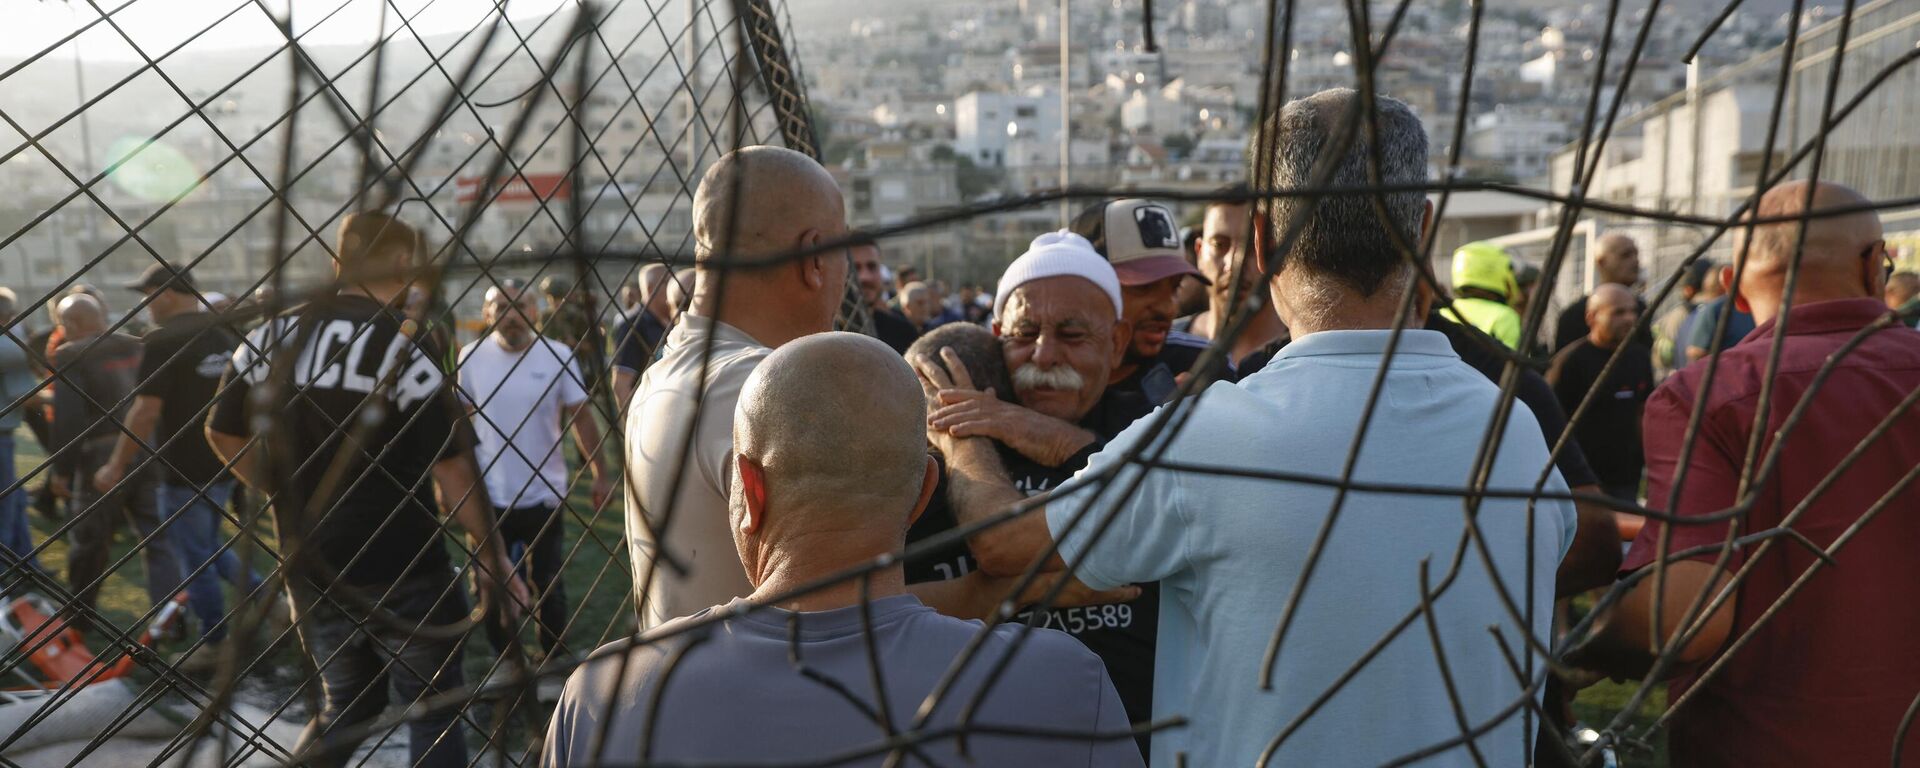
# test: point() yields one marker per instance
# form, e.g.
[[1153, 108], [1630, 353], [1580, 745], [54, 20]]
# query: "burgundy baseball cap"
[[1138, 237]]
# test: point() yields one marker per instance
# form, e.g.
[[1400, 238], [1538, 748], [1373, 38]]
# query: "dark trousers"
[[533, 539], [361, 658], [98, 518]]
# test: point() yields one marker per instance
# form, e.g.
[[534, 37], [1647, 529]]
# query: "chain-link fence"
[[538, 172]]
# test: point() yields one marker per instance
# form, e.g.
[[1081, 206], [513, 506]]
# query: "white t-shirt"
[[695, 522], [520, 399]]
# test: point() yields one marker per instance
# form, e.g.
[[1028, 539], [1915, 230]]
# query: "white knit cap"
[[1058, 254]]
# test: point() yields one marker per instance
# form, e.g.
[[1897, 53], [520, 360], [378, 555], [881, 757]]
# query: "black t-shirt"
[[635, 339], [184, 359], [894, 329], [1609, 433], [1257, 360], [1477, 349], [1572, 325], [1121, 635], [93, 378], [380, 523], [1155, 381]]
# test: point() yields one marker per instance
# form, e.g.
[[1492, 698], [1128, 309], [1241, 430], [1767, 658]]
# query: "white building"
[[985, 123], [1514, 144]]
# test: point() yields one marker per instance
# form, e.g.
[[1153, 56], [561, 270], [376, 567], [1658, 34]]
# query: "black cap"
[[1696, 275], [163, 275]]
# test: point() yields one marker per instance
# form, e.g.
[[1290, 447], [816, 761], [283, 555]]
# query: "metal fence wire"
[[561, 152]]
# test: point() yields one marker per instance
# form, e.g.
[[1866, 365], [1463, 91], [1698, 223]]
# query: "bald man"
[[1609, 433], [1827, 679], [639, 333], [95, 373], [831, 468], [1616, 259], [754, 207]]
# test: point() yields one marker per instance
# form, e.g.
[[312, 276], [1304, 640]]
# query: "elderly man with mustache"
[[1058, 334]]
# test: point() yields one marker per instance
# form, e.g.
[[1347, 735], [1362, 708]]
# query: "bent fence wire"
[[563, 149]]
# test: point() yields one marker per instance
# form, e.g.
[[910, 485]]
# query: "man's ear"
[[928, 484], [753, 485], [1261, 249], [812, 270], [1122, 336], [1423, 299]]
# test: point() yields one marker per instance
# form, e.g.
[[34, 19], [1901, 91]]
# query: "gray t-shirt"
[[737, 697]]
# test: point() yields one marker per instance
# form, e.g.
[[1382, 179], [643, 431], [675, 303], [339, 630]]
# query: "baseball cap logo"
[[1156, 227]]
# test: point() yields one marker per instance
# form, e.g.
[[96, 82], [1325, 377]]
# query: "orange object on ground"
[[29, 621]]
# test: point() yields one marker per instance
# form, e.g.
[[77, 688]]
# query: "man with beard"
[[525, 392], [1060, 332], [1227, 264], [1139, 239], [889, 325]]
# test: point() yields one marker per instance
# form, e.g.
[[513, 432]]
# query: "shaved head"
[[760, 203], [1842, 257], [979, 351], [1611, 295], [1611, 313], [1616, 259], [82, 315], [837, 422], [652, 278], [757, 201]]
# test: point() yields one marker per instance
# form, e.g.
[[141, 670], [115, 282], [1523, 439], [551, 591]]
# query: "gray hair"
[[1344, 238]]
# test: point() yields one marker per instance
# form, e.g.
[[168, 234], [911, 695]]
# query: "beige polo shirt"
[[693, 527]]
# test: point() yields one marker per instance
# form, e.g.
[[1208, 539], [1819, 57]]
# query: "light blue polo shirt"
[[1227, 550]]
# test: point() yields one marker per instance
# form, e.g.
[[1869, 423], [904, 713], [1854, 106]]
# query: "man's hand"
[[517, 598], [58, 485], [106, 477], [1073, 595], [1037, 436], [962, 411], [602, 490]]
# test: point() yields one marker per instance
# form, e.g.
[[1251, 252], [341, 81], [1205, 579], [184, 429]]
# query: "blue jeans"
[[195, 533], [15, 536]]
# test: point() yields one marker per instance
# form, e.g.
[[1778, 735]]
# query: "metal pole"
[[1066, 112], [86, 133], [693, 134], [1693, 153]]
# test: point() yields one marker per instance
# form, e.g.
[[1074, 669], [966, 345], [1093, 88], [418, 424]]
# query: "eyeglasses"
[[1887, 265]]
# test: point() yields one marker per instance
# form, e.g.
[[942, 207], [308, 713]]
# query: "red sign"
[[519, 188]]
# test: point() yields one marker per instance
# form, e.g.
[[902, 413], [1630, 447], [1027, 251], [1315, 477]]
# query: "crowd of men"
[[1187, 481]]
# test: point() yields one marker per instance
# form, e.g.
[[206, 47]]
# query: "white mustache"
[[1030, 376]]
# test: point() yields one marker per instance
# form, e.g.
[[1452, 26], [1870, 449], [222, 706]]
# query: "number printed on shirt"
[[1088, 618]]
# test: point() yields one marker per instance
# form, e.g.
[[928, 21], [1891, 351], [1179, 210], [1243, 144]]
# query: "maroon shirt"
[[1825, 681]]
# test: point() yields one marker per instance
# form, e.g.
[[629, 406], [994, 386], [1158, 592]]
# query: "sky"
[[159, 25]]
